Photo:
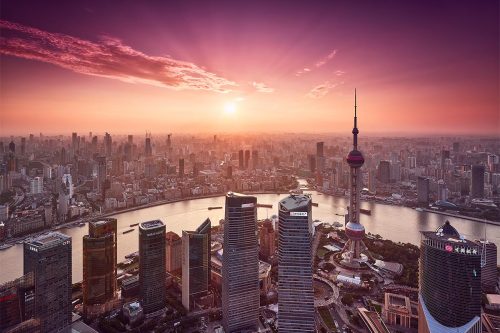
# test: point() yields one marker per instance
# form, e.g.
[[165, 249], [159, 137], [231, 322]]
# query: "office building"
[[181, 168], [99, 267], [477, 181], [36, 185], [148, 150], [295, 265], [312, 163], [195, 264], [240, 264], [49, 258], [489, 254], [247, 159], [267, 240], [152, 273], [255, 159], [108, 144], [384, 172], [449, 282], [101, 172], [16, 301], [173, 255], [352, 252], [423, 188], [241, 162]]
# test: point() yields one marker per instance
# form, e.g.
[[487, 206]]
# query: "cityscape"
[[240, 168]]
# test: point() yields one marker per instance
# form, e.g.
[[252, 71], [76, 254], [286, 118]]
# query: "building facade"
[[195, 264], [49, 258], [240, 264], [152, 274], [173, 245], [449, 282], [267, 240], [477, 181], [99, 267], [295, 265]]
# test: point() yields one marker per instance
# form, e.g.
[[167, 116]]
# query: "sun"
[[230, 108]]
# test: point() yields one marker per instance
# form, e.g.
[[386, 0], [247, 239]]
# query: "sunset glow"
[[418, 68]]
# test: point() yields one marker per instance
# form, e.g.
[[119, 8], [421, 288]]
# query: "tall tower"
[[152, 267], [49, 258], [355, 232], [295, 265], [449, 282], [99, 267], [195, 264], [240, 264]]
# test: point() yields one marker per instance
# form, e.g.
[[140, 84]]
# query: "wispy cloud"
[[262, 87], [107, 58], [326, 59], [323, 61], [323, 89]]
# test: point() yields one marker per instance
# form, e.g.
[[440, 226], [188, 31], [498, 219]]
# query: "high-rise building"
[[148, 150], [49, 258], [173, 244], [267, 240], [240, 264], [312, 163], [130, 139], [181, 167], [108, 144], [295, 265], [442, 190], [152, 274], [423, 188], [354, 230], [477, 181], [196, 259], [99, 266], [489, 265], [449, 282], [23, 146], [320, 157], [247, 158], [229, 172], [241, 162], [36, 185], [101, 172], [384, 171], [16, 301], [255, 159]]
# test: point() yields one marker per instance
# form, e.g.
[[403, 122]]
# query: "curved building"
[[450, 282], [99, 266]]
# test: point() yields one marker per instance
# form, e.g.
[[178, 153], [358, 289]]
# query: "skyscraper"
[[99, 266], [384, 172], [267, 240], [181, 167], [152, 267], [101, 172], [196, 247], [108, 144], [241, 162], [477, 181], [173, 245], [489, 265], [423, 190], [255, 159], [240, 264], [354, 230], [449, 282], [295, 265], [247, 158], [148, 150], [49, 258]]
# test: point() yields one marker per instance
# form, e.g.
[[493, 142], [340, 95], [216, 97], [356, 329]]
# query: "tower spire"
[[355, 130]]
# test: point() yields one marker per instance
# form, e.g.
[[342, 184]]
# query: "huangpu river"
[[391, 222]]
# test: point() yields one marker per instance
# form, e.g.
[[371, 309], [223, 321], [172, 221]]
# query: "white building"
[[36, 185]]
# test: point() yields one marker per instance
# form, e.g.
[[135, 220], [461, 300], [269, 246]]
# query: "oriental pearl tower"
[[352, 253]]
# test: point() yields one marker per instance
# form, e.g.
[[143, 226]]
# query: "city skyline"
[[419, 69]]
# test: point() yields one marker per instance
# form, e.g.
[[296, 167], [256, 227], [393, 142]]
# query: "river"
[[391, 222]]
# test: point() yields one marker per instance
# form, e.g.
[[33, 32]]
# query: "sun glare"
[[230, 108]]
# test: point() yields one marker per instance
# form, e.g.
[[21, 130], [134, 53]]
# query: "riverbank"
[[475, 219]]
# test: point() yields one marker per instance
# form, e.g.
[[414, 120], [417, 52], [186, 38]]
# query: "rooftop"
[[296, 201], [50, 240], [152, 224]]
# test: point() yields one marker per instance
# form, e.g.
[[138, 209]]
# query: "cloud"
[[108, 58], [262, 87], [322, 90], [323, 61]]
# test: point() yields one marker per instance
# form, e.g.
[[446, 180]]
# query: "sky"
[[419, 67]]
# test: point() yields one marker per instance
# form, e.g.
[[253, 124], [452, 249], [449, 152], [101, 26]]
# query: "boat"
[[418, 209], [365, 211], [218, 207], [6, 246], [134, 224], [127, 231], [81, 224]]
